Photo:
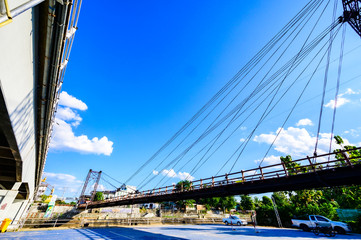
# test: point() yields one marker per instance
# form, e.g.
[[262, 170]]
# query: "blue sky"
[[140, 72]]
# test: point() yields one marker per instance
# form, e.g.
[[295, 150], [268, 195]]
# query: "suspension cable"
[[337, 86], [293, 108], [325, 83], [255, 60], [313, 44], [263, 115]]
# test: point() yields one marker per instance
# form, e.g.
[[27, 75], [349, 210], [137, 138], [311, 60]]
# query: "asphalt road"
[[172, 232]]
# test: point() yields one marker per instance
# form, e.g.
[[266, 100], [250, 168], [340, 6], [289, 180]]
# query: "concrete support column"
[[8, 197], [24, 204]]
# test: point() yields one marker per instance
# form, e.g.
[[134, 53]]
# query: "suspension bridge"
[[271, 178], [268, 81]]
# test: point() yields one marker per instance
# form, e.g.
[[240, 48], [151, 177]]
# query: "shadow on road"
[[122, 233], [250, 231]]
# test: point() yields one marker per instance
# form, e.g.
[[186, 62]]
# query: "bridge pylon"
[[352, 14], [92, 176]]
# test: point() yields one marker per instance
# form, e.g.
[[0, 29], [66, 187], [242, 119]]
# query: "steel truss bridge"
[[312, 172]]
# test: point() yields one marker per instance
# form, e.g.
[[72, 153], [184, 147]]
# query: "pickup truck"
[[234, 220], [308, 223]]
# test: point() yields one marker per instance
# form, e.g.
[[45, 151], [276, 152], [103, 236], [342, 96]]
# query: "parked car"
[[309, 223], [235, 220]]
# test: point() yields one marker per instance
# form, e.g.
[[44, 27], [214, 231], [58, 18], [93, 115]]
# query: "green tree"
[[44, 197], [346, 197], [210, 203], [182, 204], [267, 201], [183, 185], [257, 202], [58, 202], [352, 153], [306, 202], [227, 203], [266, 215], [291, 166], [323, 201], [99, 196], [247, 203], [281, 198]]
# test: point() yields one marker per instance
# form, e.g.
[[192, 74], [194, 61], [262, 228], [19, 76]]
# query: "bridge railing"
[[301, 166]]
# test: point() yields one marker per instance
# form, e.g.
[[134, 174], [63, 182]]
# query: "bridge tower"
[[91, 177], [351, 14]]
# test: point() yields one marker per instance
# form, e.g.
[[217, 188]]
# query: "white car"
[[309, 223], [234, 220]]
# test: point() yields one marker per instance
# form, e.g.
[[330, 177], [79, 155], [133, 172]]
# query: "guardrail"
[[306, 165]]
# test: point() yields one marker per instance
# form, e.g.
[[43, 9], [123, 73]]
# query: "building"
[[41, 191], [35, 41], [122, 191], [109, 194], [125, 190]]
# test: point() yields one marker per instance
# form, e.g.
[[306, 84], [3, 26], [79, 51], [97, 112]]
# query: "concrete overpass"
[[35, 41]]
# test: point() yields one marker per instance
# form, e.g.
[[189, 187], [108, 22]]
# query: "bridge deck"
[[272, 178]]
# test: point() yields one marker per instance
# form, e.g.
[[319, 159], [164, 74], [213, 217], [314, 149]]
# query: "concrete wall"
[[17, 84]]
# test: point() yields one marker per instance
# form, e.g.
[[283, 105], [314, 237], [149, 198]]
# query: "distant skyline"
[[137, 77]]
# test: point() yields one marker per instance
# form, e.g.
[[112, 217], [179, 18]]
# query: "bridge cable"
[[337, 86], [181, 156], [267, 45], [235, 129], [278, 133], [121, 183], [293, 108], [273, 107], [324, 84], [296, 56], [233, 119], [103, 179], [228, 137], [263, 115]]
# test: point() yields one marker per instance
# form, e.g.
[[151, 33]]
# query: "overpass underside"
[[35, 43], [10, 159], [324, 178]]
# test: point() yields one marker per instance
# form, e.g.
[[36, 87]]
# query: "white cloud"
[[169, 173], [67, 114], [243, 128], [185, 176], [63, 183], [353, 132], [304, 122], [63, 137], [242, 139], [72, 102], [172, 174], [340, 101], [100, 187], [349, 91], [297, 142], [271, 160]]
